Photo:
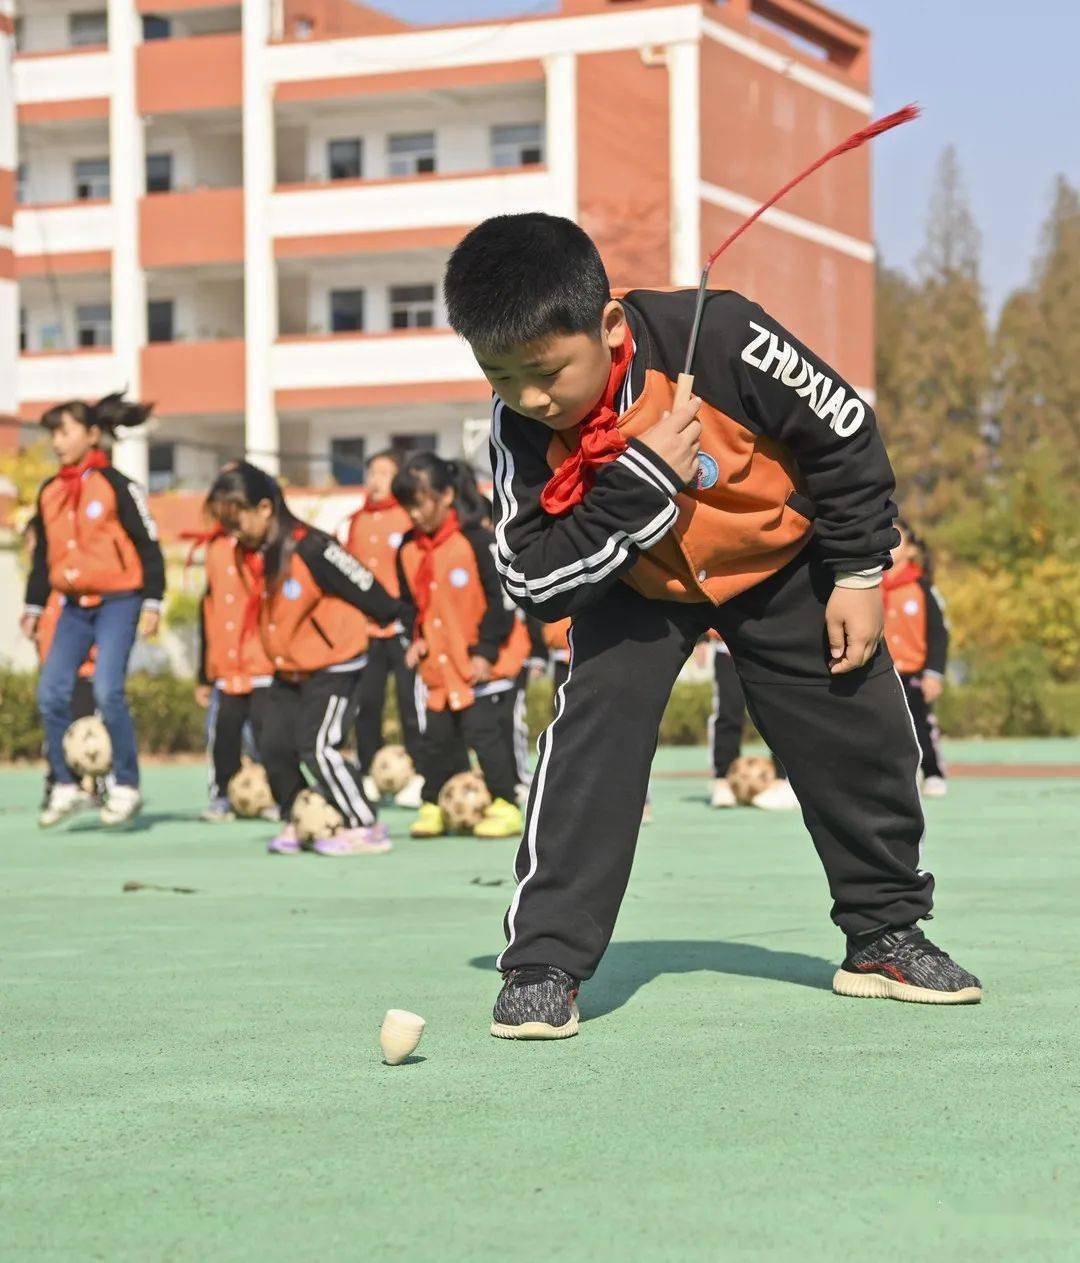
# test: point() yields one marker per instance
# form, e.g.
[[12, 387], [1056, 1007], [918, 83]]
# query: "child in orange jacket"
[[468, 644], [918, 639], [309, 601]]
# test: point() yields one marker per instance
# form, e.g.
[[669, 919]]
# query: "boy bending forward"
[[762, 510]]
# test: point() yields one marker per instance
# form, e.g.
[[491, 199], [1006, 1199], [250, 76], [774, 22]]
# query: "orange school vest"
[[305, 630], [729, 535], [375, 536], [452, 624], [233, 660], [905, 626], [89, 552], [555, 637]]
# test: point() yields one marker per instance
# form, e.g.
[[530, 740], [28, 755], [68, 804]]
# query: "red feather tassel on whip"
[[909, 112]]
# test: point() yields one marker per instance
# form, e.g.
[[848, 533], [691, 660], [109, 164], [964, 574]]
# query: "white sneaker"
[[722, 795], [371, 790], [122, 803], [778, 797], [935, 787], [410, 795], [64, 800]]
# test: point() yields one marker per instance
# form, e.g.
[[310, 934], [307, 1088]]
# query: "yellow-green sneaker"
[[429, 822], [501, 820]]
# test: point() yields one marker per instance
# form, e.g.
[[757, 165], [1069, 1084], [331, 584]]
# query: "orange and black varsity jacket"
[[314, 617], [375, 535], [108, 547], [235, 662], [468, 616], [915, 628], [788, 450]]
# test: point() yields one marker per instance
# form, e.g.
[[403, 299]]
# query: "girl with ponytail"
[[308, 601], [97, 546], [467, 643]]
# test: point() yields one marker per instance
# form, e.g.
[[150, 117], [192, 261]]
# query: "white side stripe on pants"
[[918, 758], [347, 796], [547, 740]]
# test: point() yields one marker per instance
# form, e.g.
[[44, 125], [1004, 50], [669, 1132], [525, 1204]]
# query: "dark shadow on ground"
[[143, 822], [628, 966]]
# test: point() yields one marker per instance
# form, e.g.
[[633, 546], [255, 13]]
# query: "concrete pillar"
[[262, 430], [9, 295], [561, 130], [127, 172], [684, 116]]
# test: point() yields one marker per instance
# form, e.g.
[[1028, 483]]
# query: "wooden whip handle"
[[684, 388]]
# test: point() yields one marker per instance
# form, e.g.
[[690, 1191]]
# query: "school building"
[[242, 209]]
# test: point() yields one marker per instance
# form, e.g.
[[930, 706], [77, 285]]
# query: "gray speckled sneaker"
[[536, 1002], [902, 964]]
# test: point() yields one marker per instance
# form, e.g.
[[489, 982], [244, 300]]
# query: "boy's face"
[[558, 380]]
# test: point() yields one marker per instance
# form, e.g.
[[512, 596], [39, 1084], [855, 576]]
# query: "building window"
[[347, 461], [22, 184], [303, 28], [23, 332], [85, 29], [154, 27], [517, 145], [92, 179], [402, 444], [93, 325], [159, 320], [20, 35], [346, 310], [412, 153], [162, 466], [159, 172], [412, 306], [345, 159]]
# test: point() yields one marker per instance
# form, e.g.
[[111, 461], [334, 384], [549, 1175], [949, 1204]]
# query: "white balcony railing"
[[65, 77], [64, 229], [421, 202], [86, 374], [371, 360]]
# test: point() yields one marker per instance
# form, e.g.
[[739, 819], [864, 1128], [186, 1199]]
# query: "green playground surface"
[[196, 1076]]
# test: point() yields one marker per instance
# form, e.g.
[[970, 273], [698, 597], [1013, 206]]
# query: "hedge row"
[[169, 721]]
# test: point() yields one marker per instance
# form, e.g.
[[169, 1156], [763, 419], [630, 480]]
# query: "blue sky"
[[997, 79]]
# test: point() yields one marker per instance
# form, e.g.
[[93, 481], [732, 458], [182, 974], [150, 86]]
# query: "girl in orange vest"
[[375, 534], [918, 639], [96, 545], [309, 601], [467, 642], [234, 670]]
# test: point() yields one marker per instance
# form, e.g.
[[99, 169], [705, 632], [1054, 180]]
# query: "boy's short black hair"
[[515, 279]]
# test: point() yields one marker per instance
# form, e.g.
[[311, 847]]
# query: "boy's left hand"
[[149, 622], [854, 620], [480, 670]]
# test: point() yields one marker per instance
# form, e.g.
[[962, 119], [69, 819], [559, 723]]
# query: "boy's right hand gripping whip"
[[685, 383]]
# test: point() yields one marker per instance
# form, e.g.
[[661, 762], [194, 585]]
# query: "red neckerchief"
[[198, 539], [71, 476], [425, 574], [600, 441], [909, 572], [378, 506], [253, 562]]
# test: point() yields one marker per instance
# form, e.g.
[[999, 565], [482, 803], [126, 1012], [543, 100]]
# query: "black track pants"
[[386, 657], [229, 712], [728, 713], [847, 745], [487, 726], [926, 726], [304, 731]]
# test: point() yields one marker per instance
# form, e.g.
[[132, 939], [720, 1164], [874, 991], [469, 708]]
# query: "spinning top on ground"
[[399, 1035]]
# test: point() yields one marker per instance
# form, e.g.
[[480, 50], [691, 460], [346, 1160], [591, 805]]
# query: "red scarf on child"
[[909, 572], [198, 539], [600, 441], [71, 476], [377, 506], [425, 574]]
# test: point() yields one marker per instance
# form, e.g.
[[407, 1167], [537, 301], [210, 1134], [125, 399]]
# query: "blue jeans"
[[111, 626]]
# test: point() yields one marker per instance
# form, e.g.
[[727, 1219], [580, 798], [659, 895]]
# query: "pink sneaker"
[[286, 842], [374, 840]]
